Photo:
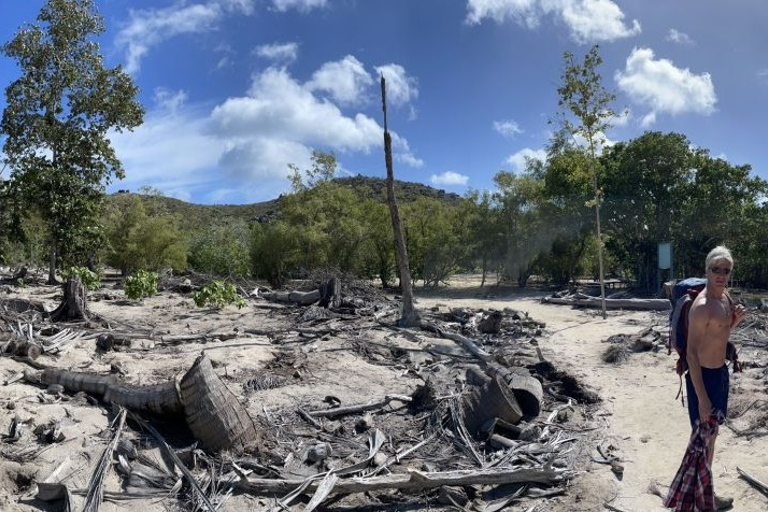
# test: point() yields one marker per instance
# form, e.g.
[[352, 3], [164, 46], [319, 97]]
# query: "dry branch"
[[752, 480], [354, 409], [95, 489]]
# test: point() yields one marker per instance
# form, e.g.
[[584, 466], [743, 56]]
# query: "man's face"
[[718, 273]]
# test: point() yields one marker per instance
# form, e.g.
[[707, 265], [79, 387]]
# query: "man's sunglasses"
[[723, 271]]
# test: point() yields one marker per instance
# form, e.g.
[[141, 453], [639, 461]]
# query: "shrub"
[[141, 284], [218, 294], [91, 280]]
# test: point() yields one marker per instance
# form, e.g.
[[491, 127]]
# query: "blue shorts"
[[716, 381]]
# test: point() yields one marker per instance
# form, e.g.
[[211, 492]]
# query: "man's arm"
[[698, 319]]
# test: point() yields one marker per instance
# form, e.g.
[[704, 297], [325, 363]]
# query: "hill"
[[198, 216]]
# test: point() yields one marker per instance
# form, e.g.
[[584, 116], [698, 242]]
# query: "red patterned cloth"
[[691, 490]]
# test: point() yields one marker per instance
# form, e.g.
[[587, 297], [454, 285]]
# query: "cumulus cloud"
[[678, 37], [519, 160], [345, 80], [507, 128], [657, 84], [149, 27], [449, 179], [170, 151], [278, 52], [299, 5], [587, 20], [281, 117], [401, 88]]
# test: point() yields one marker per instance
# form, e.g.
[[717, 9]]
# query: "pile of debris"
[[490, 423]]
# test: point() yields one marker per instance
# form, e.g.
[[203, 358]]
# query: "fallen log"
[[595, 302], [214, 415], [295, 297], [414, 480]]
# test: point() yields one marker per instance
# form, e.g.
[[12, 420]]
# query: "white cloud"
[[519, 160], [401, 88], [279, 52], [168, 100], [507, 128], [346, 80], [678, 37], [299, 5], [281, 118], [448, 179], [171, 151], [150, 27], [664, 88], [587, 20]]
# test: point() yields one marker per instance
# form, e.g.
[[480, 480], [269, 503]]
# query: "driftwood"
[[354, 409], [586, 301], [294, 297], [465, 342], [760, 486], [415, 480], [23, 349]]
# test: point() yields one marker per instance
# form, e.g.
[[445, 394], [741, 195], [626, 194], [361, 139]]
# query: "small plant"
[[218, 294], [20, 283], [141, 284], [91, 280]]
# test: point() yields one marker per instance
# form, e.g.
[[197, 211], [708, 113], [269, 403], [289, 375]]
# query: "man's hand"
[[705, 410], [738, 314]]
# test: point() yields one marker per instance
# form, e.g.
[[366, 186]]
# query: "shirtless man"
[[712, 317]]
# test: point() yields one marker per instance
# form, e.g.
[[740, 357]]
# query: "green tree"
[[586, 109], [222, 250], [57, 119], [140, 241], [323, 169], [519, 198], [646, 187], [565, 214], [377, 253], [274, 251]]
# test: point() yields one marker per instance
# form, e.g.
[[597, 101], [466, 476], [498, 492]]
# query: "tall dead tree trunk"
[[409, 316]]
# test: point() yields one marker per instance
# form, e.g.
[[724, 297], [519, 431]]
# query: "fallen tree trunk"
[[595, 302], [295, 297], [413, 480]]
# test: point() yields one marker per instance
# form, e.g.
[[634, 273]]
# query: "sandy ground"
[[638, 412], [644, 421]]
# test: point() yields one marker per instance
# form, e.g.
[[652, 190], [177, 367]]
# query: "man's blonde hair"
[[719, 253]]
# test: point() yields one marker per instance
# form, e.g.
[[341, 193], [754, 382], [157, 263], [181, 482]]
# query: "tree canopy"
[[58, 116]]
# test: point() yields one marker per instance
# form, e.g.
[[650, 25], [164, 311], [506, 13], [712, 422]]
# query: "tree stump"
[[74, 306]]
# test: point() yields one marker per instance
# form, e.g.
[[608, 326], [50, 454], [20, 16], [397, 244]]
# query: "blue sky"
[[235, 90]]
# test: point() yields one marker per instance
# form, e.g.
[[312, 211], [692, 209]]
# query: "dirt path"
[[643, 420]]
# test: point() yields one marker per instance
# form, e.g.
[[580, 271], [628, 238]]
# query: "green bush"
[[91, 280], [218, 294], [141, 284]]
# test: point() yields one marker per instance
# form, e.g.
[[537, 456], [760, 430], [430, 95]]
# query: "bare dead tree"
[[409, 315]]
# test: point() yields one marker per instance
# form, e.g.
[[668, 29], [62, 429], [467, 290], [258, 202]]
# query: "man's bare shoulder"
[[701, 309]]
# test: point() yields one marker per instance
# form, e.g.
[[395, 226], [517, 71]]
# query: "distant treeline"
[[655, 188]]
